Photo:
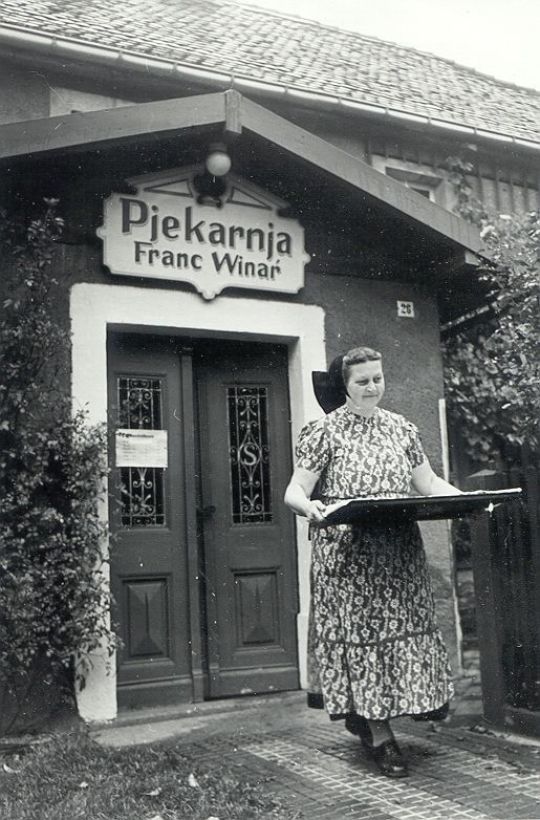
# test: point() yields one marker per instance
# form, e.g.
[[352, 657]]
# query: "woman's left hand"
[[315, 512]]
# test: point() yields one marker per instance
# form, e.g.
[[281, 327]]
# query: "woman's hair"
[[358, 355]]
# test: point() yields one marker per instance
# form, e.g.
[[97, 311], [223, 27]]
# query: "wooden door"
[[250, 556], [148, 515]]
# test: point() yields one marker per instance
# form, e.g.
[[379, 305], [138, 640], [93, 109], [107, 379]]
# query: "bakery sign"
[[166, 230]]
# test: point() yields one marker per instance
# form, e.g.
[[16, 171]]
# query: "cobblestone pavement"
[[457, 770]]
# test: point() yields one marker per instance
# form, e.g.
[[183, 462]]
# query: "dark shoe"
[[389, 759], [359, 726], [436, 714]]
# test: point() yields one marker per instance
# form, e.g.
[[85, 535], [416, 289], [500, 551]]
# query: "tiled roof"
[[248, 42]]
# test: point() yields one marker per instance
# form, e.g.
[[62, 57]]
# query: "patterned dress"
[[374, 646]]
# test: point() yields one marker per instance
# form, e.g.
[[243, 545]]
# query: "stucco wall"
[[24, 95]]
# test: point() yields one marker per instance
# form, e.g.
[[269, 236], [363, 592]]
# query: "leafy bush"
[[493, 368], [52, 467]]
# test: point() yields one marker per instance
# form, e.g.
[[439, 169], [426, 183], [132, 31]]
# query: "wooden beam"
[[487, 599], [357, 173], [233, 112], [99, 128]]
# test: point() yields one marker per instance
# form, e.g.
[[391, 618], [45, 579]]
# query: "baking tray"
[[419, 508]]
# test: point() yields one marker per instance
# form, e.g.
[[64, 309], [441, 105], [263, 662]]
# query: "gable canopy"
[[321, 183]]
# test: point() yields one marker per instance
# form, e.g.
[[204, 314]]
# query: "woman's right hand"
[[315, 511]]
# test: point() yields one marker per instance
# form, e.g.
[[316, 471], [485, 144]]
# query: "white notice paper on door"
[[141, 448]]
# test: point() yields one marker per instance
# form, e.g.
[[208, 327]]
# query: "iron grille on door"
[[140, 403], [249, 454]]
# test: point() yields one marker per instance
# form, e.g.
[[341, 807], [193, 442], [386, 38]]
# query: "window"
[[427, 192], [422, 179]]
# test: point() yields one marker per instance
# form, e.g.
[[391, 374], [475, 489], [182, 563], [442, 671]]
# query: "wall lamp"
[[210, 185], [218, 162]]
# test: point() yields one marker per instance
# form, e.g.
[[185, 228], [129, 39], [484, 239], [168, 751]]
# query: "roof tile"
[[249, 42]]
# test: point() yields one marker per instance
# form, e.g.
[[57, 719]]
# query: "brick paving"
[[457, 771], [325, 775]]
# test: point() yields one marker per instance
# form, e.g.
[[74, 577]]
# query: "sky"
[[497, 37]]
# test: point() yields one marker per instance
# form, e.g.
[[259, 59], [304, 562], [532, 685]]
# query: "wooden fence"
[[506, 567]]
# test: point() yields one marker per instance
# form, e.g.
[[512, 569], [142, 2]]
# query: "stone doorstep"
[[467, 687], [207, 708], [466, 712], [194, 717]]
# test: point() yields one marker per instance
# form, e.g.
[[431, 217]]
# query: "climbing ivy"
[[53, 598]]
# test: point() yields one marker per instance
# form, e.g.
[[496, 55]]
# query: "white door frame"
[[97, 308]]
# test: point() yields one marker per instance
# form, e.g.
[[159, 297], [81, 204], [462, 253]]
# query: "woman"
[[378, 653]]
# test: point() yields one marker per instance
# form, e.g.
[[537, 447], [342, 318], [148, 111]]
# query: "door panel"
[[148, 564], [249, 542], [203, 567]]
